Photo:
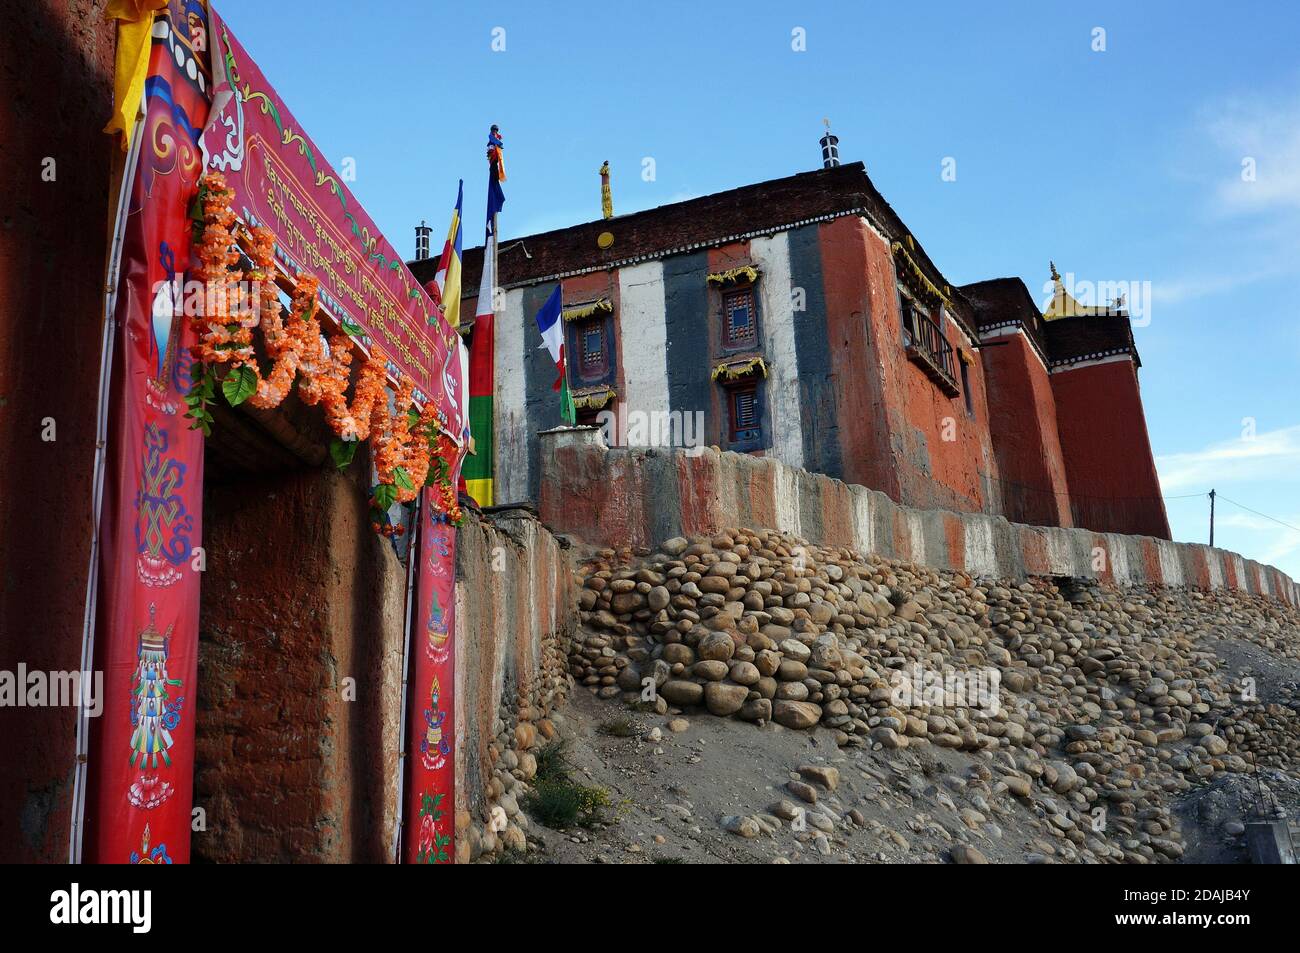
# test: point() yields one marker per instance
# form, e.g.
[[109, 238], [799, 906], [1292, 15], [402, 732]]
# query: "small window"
[[965, 385], [739, 324], [908, 313], [746, 425], [593, 352], [593, 348]]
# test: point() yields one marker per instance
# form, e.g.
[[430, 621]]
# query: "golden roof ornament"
[[606, 196], [1065, 305]]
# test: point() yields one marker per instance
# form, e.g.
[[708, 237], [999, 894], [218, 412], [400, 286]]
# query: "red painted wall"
[[1108, 461], [1022, 412], [903, 431], [855, 283]]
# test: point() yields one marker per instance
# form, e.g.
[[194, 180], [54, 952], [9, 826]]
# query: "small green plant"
[[554, 804], [561, 804], [552, 763], [620, 726], [556, 800], [592, 801]]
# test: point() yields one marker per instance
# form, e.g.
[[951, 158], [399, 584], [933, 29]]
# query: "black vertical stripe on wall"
[[687, 336], [818, 408], [541, 402]]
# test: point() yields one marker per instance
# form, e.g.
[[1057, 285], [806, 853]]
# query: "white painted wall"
[[980, 556], [785, 491], [777, 318], [510, 426], [643, 337]]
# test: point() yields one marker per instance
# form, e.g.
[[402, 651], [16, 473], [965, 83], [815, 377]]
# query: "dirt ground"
[[680, 787]]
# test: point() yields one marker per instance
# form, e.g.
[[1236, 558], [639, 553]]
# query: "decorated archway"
[[244, 273]]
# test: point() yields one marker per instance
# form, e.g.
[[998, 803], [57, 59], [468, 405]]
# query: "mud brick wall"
[[299, 594], [56, 68]]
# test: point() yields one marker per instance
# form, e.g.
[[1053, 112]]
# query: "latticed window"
[[739, 322], [746, 425], [593, 346], [590, 346], [593, 356]]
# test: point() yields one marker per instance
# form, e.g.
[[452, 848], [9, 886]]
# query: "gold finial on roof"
[[606, 196], [1065, 305]]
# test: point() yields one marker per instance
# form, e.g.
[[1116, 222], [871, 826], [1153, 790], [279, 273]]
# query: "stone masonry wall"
[[516, 612], [642, 497]]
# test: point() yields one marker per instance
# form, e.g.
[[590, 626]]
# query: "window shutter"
[[745, 414]]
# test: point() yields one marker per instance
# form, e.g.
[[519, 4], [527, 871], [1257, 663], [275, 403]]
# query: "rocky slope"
[[966, 719]]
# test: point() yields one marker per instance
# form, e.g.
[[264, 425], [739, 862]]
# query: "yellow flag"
[[134, 26]]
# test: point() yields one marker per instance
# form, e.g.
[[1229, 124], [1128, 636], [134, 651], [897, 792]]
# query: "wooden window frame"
[[731, 391], [578, 375], [754, 342]]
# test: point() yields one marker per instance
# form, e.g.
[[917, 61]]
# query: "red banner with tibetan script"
[[140, 772], [429, 814], [283, 182]]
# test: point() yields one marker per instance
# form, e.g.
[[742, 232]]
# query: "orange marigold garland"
[[271, 390], [352, 422], [402, 451], [445, 452], [225, 322], [409, 448]]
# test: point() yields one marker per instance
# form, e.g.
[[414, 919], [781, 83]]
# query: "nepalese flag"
[[448, 275], [550, 323]]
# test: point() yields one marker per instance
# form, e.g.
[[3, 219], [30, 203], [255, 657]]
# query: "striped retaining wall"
[[641, 497]]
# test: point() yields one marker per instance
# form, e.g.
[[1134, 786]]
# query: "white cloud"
[[1253, 471], [1201, 285], [1260, 211], [1265, 135], [1269, 455]]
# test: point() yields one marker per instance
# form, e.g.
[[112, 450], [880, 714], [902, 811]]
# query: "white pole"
[[107, 340], [413, 557]]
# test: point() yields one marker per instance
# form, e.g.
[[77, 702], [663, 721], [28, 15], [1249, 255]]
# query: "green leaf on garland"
[[240, 386], [402, 478], [385, 496], [351, 327], [197, 221], [342, 452]]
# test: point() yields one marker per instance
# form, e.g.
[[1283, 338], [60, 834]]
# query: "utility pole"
[[1211, 517]]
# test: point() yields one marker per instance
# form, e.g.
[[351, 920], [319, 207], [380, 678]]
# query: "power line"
[[1084, 498], [1258, 513]]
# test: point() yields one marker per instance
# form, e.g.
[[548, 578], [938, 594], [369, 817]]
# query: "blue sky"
[[1121, 165]]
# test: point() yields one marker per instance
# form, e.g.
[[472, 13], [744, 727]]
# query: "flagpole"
[[496, 263]]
